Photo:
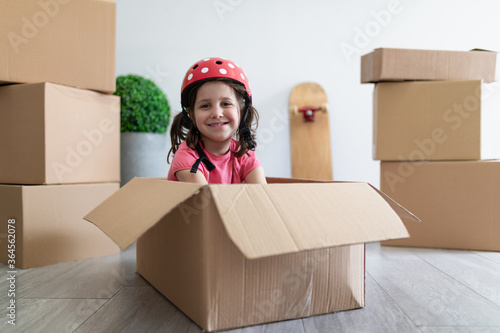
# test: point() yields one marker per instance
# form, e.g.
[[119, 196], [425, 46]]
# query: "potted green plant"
[[145, 116]]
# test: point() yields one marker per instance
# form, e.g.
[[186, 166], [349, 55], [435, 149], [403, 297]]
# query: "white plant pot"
[[142, 155]]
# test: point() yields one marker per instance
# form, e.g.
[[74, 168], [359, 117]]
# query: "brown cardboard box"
[[60, 41], [241, 254], [45, 224], [438, 120], [457, 202], [386, 64], [53, 134]]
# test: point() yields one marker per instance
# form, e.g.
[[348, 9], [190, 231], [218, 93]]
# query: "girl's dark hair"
[[184, 129]]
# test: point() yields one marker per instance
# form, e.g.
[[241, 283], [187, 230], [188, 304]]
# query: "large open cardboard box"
[[436, 120], [47, 226], [457, 202], [60, 41], [388, 64], [241, 254], [53, 134]]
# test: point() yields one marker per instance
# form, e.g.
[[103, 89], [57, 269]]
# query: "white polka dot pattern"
[[212, 68]]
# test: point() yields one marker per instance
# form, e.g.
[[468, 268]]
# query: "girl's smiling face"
[[217, 115]]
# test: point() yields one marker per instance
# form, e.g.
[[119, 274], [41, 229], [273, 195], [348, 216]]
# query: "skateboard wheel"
[[294, 110], [324, 108]]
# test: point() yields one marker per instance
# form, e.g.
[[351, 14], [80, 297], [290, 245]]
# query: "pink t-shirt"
[[228, 168]]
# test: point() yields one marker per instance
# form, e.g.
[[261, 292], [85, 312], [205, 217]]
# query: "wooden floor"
[[407, 290]]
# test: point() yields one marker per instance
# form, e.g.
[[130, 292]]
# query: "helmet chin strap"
[[244, 130], [202, 156], [185, 115]]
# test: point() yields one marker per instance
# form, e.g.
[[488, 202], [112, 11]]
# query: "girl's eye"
[[204, 106], [226, 104]]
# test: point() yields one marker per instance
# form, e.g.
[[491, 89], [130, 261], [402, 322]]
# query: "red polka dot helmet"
[[213, 68]]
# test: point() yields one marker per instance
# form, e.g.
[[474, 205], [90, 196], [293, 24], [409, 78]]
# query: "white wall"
[[284, 42]]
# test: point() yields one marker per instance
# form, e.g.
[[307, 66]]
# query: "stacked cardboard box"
[[435, 131], [59, 129]]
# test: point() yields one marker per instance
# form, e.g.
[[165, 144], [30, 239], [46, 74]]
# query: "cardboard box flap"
[[400, 210], [137, 207], [403, 213], [266, 220]]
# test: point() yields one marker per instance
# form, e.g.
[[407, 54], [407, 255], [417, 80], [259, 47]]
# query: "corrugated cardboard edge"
[[370, 66], [400, 210]]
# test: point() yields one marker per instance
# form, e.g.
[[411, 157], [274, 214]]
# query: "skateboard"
[[310, 132]]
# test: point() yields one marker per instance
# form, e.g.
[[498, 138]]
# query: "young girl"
[[212, 139]]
